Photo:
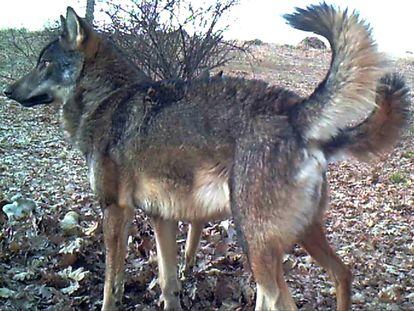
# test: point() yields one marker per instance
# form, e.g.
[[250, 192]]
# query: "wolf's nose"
[[8, 92]]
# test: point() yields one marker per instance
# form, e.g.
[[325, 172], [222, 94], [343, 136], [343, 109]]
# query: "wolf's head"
[[58, 66]]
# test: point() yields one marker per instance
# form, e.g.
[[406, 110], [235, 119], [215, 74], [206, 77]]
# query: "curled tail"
[[348, 90], [379, 132]]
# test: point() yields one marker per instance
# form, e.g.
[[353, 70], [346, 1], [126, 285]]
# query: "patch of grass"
[[397, 178], [408, 155], [289, 46]]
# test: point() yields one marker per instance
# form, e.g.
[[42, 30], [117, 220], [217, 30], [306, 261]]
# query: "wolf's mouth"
[[37, 100]]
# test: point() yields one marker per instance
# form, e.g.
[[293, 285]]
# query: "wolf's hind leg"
[[315, 243], [165, 235], [266, 259], [258, 204], [191, 245], [116, 223]]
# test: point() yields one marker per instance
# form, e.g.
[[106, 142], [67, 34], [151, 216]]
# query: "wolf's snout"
[[8, 92], [11, 92], [26, 97]]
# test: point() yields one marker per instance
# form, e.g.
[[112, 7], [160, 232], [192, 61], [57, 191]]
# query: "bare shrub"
[[165, 38], [19, 49], [172, 39]]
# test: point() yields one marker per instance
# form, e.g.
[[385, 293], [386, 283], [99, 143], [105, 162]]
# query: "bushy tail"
[[379, 132], [348, 90]]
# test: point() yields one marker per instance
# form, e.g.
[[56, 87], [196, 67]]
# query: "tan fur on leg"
[[272, 290], [317, 246], [115, 226], [193, 239], [165, 234]]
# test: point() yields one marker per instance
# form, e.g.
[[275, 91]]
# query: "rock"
[[70, 223], [358, 298], [312, 43], [16, 197], [20, 208]]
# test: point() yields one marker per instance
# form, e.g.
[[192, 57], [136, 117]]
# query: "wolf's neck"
[[110, 69], [105, 74]]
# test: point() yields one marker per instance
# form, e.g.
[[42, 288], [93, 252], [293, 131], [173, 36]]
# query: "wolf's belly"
[[207, 198]]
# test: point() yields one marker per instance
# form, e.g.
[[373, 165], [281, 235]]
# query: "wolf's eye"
[[44, 63]]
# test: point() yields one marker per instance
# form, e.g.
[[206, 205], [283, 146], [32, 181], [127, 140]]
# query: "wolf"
[[217, 147]]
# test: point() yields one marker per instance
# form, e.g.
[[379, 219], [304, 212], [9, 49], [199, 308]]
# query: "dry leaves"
[[43, 266]]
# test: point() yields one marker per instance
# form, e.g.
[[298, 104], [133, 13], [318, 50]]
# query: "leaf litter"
[[46, 267]]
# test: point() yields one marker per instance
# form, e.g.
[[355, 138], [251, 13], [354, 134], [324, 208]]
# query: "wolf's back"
[[348, 90]]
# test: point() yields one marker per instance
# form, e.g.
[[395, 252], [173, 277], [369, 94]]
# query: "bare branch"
[[172, 38]]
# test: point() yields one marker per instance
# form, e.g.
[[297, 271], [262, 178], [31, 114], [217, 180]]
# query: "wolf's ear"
[[62, 25], [74, 30]]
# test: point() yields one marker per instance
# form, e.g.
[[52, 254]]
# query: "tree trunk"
[[90, 8]]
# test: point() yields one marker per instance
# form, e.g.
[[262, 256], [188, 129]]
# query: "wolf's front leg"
[[165, 235], [115, 227]]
